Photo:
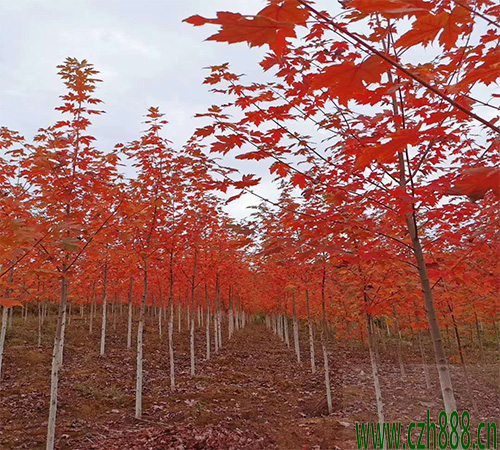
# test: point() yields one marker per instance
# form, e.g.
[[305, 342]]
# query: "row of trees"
[[375, 155], [376, 134], [74, 228]]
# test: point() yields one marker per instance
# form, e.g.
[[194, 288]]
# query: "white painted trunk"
[[295, 331], [311, 347], [171, 346], [138, 379], [103, 327], [40, 321], [63, 334], [10, 317], [140, 336], [216, 334], [281, 327], [191, 348], [237, 319], [424, 361], [3, 333], [398, 337], [193, 323], [160, 318], [219, 328], [130, 316], [113, 309], [375, 372], [92, 310], [327, 378], [286, 330], [104, 309], [440, 354], [207, 332], [479, 338], [311, 334], [231, 321], [129, 325], [56, 365]]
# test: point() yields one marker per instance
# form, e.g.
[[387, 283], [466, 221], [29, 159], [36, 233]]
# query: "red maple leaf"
[[256, 31], [476, 182]]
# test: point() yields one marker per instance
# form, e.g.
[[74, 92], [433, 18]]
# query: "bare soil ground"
[[250, 395]]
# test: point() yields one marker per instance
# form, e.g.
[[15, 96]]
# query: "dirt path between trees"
[[250, 395]]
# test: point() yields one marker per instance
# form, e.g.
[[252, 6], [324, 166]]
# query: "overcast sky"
[[146, 56]]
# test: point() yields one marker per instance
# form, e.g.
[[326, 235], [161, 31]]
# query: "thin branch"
[[401, 68]]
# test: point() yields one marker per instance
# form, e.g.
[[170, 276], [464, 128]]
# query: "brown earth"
[[251, 395]]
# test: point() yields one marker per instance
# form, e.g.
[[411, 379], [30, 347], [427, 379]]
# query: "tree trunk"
[[113, 312], [56, 363], [311, 334], [219, 322], [130, 313], [295, 329], [171, 323], [207, 322], [5, 320], [171, 344], [92, 309], [280, 326], [9, 318], [237, 316], [284, 318], [191, 331], [375, 371], [479, 338], [63, 334], [104, 309], [160, 318], [230, 315], [447, 393], [422, 353], [140, 335], [215, 321], [398, 338], [424, 361], [3, 333], [326, 365], [40, 321], [462, 360]]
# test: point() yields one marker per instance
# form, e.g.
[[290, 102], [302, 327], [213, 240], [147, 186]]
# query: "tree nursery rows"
[[136, 313]]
